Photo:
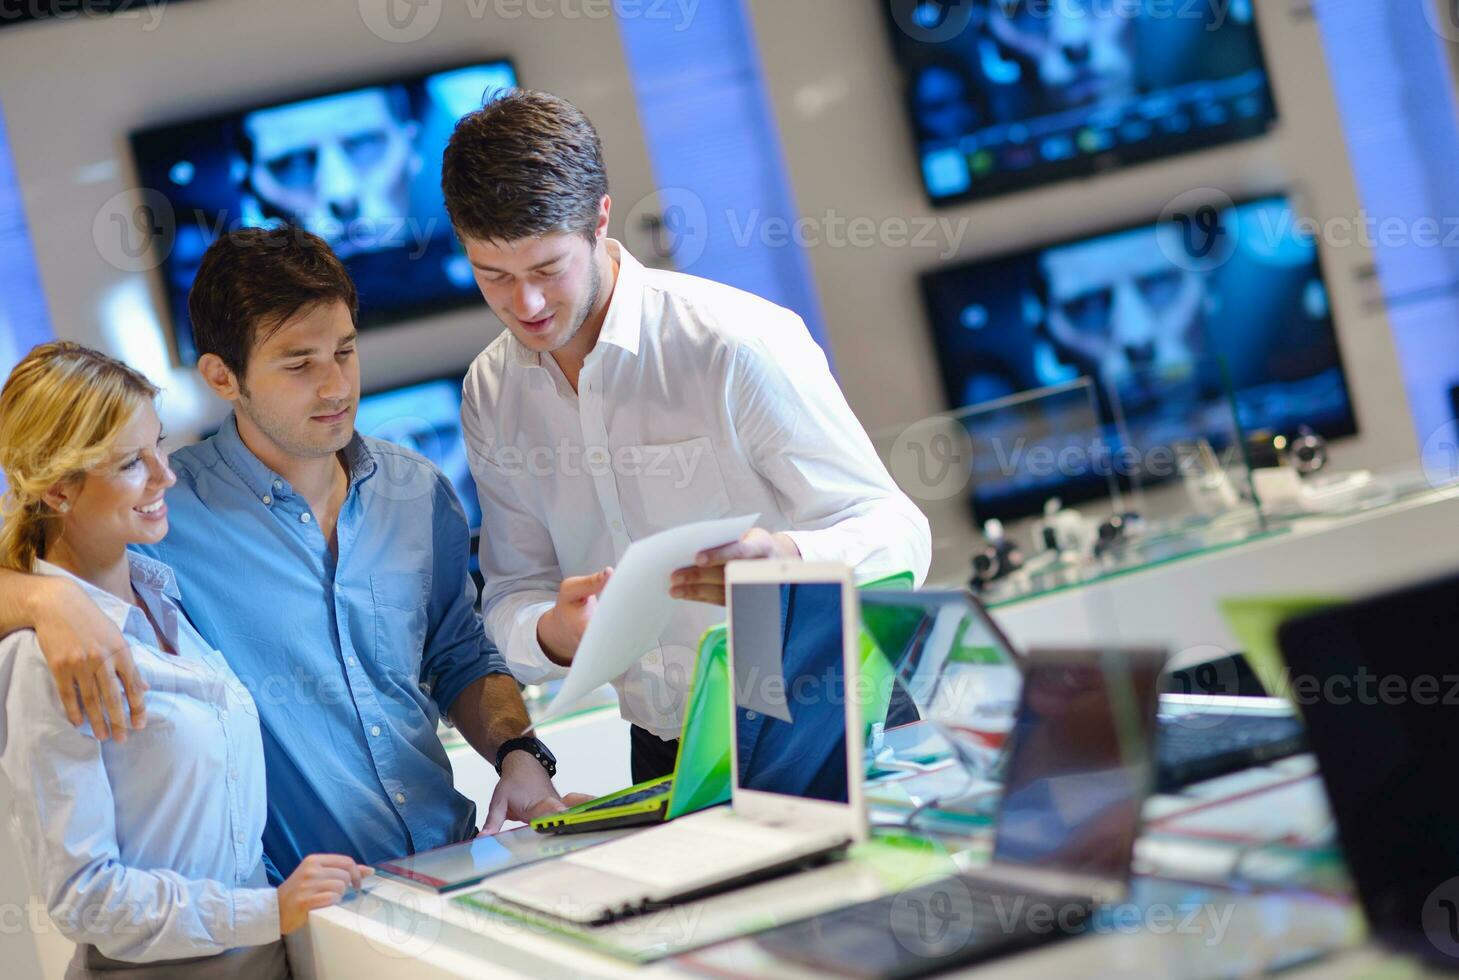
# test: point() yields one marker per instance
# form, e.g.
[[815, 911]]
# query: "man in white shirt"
[[621, 401]]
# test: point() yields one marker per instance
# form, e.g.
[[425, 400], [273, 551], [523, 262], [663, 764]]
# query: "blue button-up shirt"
[[351, 661], [147, 849]]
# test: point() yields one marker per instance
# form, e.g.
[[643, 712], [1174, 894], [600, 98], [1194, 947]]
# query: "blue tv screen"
[[426, 417], [1005, 95], [1160, 321], [359, 167]]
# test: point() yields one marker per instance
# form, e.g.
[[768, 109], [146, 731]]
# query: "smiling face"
[[119, 502], [543, 289], [301, 389]]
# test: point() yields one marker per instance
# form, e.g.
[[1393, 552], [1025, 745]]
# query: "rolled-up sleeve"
[[457, 650], [518, 559], [64, 811], [804, 439]]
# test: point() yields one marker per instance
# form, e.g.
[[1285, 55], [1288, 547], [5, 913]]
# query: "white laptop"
[[796, 775]]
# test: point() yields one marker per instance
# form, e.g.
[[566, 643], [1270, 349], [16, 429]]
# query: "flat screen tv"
[[425, 416], [360, 167], [1166, 317], [1005, 95]]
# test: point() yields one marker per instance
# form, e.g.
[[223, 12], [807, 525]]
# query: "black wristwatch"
[[532, 747]]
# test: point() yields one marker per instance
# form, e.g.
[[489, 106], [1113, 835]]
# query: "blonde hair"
[[61, 412]]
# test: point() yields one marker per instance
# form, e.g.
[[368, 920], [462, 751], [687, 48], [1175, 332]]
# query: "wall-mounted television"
[[425, 416], [360, 167], [1005, 95], [1165, 317]]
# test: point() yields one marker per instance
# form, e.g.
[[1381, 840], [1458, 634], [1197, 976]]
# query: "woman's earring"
[[65, 506]]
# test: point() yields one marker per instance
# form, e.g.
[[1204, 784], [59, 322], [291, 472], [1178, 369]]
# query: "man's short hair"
[[525, 165], [253, 281]]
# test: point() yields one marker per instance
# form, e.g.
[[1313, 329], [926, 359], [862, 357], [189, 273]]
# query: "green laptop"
[[701, 776]]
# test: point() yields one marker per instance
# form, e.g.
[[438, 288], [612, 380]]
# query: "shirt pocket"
[[672, 484], [400, 600]]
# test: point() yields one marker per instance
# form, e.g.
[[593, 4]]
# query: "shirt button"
[[233, 775], [375, 730], [750, 716], [278, 484], [305, 518], [400, 798], [267, 499], [351, 661], [240, 838], [617, 525], [223, 713]]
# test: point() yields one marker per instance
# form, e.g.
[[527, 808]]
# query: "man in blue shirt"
[[330, 569]]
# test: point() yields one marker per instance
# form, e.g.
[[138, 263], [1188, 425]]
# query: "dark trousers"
[[650, 756]]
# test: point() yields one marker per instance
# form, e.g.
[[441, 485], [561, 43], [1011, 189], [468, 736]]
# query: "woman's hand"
[[320, 881]]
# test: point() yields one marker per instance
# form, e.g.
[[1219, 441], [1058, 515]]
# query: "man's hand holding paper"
[[624, 614]]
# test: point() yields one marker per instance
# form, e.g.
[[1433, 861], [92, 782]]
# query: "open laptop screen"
[[954, 665], [1080, 762], [1377, 684], [790, 689]]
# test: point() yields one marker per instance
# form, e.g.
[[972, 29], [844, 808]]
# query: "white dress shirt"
[[698, 401], [148, 849]]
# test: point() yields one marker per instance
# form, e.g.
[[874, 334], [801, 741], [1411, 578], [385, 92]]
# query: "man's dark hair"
[[525, 165], [253, 281]]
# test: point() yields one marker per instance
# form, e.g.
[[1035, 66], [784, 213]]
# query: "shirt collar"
[[264, 482], [148, 575], [623, 324]]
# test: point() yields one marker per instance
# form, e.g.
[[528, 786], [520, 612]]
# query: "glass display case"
[[1074, 484]]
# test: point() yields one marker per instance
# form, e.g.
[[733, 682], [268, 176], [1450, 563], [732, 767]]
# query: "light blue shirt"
[[351, 661], [148, 849]]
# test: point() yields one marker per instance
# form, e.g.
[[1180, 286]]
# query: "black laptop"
[[1080, 764], [1378, 682]]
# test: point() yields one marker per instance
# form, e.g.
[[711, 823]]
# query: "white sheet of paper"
[[635, 605], [759, 653]]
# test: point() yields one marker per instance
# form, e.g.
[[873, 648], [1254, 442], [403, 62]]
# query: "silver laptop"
[[1079, 770], [796, 760]]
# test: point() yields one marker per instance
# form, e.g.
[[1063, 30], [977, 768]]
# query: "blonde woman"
[[147, 851]]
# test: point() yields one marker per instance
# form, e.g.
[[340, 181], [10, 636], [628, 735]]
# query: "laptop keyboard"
[[662, 789], [920, 929], [660, 856], [1211, 746]]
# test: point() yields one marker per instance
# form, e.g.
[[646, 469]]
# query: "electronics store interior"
[[775, 488]]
